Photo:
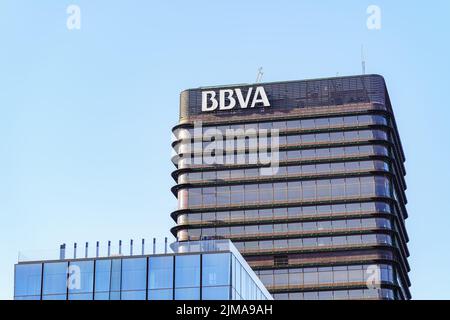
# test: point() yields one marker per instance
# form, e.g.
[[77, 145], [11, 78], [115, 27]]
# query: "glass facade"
[[27, 281], [160, 278], [54, 281], [188, 286], [215, 274], [103, 279], [335, 198], [81, 280]]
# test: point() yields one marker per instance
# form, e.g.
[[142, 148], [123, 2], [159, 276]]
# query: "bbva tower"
[[305, 177]]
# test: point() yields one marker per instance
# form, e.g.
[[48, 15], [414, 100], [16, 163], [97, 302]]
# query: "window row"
[[231, 144], [310, 190], [356, 294], [284, 213], [309, 169], [327, 275], [308, 243], [304, 154], [304, 124], [286, 228]]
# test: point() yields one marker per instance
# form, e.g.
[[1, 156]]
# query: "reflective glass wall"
[[207, 276]]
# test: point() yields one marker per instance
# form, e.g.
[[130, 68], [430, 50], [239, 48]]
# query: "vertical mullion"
[[146, 277], [42, 282], [67, 280], [230, 293], [93, 279], [201, 276], [173, 280]]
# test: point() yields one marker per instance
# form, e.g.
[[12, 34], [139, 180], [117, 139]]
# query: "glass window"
[[281, 278], [195, 176], [340, 276], [209, 175], [54, 297], [216, 269], [294, 212], [341, 295], [336, 122], [322, 137], [325, 275], [223, 174], [351, 135], [355, 275], [251, 172], [265, 125], [293, 124], [309, 211], [236, 281], [279, 212], [266, 277], [295, 139], [81, 280], [308, 138], [337, 136], [134, 274], [115, 279], [295, 277], [323, 152], [338, 188], [102, 279], [216, 293], [280, 191], [251, 230], [326, 295], [27, 281], [308, 154], [55, 280], [187, 294], [322, 122], [80, 296], [307, 123], [310, 242], [352, 121], [310, 277], [160, 272], [337, 167], [322, 210], [279, 125], [309, 190], [187, 277], [323, 188], [280, 243], [265, 213], [160, 294], [187, 271], [133, 295]]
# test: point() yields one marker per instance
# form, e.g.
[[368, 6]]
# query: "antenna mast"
[[363, 60], [259, 75]]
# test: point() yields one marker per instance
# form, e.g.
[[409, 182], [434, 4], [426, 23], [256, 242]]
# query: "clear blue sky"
[[85, 115]]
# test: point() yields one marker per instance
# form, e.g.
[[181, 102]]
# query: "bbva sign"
[[230, 98]]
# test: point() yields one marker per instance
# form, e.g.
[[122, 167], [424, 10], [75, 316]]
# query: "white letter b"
[[205, 100]]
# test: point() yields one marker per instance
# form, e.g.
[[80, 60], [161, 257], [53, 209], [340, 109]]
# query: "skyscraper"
[[323, 216]]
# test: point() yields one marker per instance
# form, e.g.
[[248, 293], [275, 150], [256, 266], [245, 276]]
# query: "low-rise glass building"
[[197, 270]]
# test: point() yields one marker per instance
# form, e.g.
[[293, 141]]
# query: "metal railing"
[[99, 250]]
